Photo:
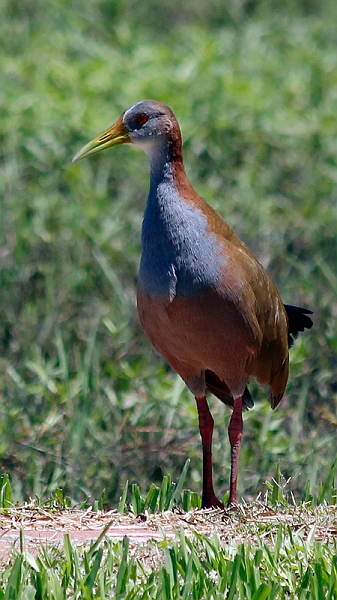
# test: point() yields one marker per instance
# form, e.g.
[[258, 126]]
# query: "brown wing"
[[262, 308]]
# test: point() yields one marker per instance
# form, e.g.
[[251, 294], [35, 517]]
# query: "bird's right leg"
[[235, 430], [206, 426]]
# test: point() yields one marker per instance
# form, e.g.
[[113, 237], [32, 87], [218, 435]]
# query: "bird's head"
[[144, 124]]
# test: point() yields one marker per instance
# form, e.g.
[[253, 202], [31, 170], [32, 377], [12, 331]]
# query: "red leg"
[[235, 429], [206, 425]]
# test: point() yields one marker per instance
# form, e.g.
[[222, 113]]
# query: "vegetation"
[[188, 567], [86, 404], [271, 549]]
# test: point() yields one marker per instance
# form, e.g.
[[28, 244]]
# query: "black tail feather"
[[298, 320]]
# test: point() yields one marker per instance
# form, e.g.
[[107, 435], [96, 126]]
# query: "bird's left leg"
[[235, 430], [206, 426]]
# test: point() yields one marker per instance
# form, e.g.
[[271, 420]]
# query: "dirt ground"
[[30, 526]]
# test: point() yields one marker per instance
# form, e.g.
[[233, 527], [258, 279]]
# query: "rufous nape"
[[205, 302]]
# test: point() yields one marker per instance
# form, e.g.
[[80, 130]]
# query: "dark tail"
[[298, 320]]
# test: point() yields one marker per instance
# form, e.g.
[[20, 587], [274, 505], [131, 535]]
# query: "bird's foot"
[[212, 502], [232, 504]]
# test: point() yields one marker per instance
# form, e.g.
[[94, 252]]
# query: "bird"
[[204, 300]]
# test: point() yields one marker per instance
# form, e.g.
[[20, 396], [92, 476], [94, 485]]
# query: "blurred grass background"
[[86, 404]]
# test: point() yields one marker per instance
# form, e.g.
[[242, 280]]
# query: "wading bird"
[[204, 300]]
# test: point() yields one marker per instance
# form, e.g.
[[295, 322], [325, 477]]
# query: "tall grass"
[[85, 403]]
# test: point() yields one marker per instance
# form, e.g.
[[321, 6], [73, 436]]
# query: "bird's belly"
[[198, 333]]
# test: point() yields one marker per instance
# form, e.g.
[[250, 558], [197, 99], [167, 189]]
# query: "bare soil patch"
[[35, 525]]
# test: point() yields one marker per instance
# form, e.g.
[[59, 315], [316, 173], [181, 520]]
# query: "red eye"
[[142, 118]]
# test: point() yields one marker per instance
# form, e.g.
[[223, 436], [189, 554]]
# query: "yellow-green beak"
[[116, 134]]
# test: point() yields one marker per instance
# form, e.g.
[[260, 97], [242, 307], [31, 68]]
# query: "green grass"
[[195, 567], [86, 405], [274, 549]]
